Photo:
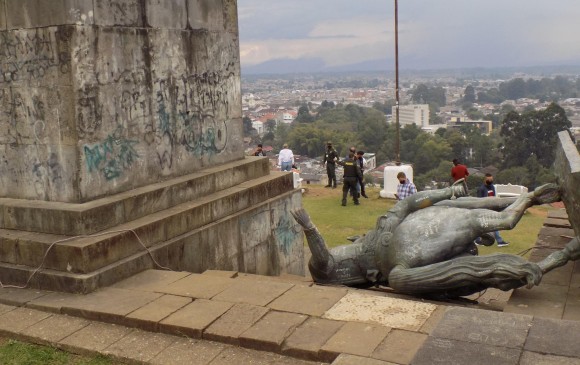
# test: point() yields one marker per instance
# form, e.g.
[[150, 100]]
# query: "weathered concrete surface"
[[192, 319], [554, 337], [234, 322], [400, 346], [100, 214], [567, 169], [40, 13], [2, 15], [102, 106], [354, 338], [392, 312], [485, 327], [125, 115]]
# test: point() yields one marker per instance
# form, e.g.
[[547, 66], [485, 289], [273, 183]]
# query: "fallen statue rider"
[[424, 245]]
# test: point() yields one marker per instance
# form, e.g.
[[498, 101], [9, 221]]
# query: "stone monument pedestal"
[[122, 129]]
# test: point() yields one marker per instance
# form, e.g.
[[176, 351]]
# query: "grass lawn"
[[336, 222], [19, 353]]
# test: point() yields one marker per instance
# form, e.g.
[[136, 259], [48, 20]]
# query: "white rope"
[[83, 236]]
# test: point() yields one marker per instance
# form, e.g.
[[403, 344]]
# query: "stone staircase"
[[220, 218]]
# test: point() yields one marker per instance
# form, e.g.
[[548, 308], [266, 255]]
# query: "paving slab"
[[314, 300], [148, 280], [254, 292], [238, 356], [94, 338], [556, 337], [53, 302], [452, 352], [54, 329], [221, 273], [571, 312], [386, 311], [148, 316], [19, 297], [195, 317], [560, 276], [533, 358], [188, 351], [6, 308], [550, 292], [108, 304], [556, 231], [307, 340], [400, 346], [556, 222], [484, 327], [270, 331], [354, 338], [558, 214], [19, 319], [198, 286], [139, 346], [536, 308], [234, 322], [431, 322], [347, 359]]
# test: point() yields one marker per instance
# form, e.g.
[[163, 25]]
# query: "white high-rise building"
[[413, 114]]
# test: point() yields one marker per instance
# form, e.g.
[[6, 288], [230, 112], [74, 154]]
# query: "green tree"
[[469, 94], [431, 153], [533, 132], [514, 175], [304, 115], [248, 130]]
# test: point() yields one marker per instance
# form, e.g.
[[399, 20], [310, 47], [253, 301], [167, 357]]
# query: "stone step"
[[100, 214], [82, 255], [208, 247]]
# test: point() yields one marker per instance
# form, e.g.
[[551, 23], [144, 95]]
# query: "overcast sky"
[[433, 34]]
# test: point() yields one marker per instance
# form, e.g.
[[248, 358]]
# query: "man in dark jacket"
[[362, 162], [330, 158], [487, 189], [352, 175]]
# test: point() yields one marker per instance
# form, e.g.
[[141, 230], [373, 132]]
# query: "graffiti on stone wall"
[[23, 120], [46, 174], [113, 156], [27, 55], [285, 230]]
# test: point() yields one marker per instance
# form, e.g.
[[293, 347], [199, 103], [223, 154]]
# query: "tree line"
[[521, 148]]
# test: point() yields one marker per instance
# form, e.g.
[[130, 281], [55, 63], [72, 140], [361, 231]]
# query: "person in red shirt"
[[458, 171]]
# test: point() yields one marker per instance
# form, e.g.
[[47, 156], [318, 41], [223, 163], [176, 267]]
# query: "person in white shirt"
[[286, 158]]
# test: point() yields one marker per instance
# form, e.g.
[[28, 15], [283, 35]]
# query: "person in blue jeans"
[[286, 158], [487, 189]]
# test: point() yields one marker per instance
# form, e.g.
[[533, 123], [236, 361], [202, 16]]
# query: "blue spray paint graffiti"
[[111, 157], [285, 232]]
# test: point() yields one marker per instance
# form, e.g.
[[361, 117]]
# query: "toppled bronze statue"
[[424, 245]]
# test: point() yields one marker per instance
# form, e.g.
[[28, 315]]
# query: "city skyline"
[[340, 35]]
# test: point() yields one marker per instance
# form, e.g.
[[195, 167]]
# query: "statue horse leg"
[[466, 275]]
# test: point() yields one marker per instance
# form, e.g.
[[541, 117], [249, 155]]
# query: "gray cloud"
[[432, 34]]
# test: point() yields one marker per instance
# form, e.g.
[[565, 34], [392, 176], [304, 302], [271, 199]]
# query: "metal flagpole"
[[397, 126]]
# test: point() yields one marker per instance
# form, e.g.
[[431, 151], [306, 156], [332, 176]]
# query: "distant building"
[[485, 126], [413, 114]]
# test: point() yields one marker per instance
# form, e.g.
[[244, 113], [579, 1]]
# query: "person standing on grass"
[[487, 189], [330, 158], [362, 163], [285, 158], [405, 188], [352, 175]]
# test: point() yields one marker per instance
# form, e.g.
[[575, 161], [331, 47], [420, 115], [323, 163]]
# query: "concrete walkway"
[[218, 317]]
